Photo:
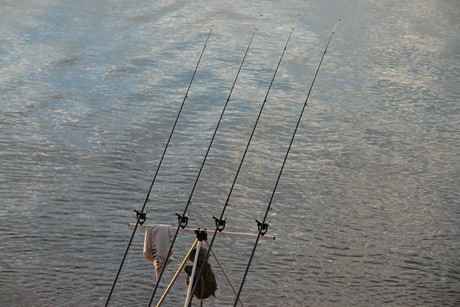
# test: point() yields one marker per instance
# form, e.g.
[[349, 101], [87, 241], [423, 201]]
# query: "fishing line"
[[242, 159], [189, 201], [122, 282], [139, 215], [263, 225]]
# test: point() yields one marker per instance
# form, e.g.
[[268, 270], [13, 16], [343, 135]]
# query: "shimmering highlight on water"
[[367, 209]]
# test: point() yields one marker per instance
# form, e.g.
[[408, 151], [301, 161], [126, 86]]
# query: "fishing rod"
[[262, 226], [141, 215], [220, 220], [181, 223]]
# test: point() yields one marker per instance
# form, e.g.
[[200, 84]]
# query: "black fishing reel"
[[182, 220], [262, 227], [141, 216], [220, 224]]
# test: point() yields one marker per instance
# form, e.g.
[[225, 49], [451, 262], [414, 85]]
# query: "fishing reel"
[[262, 227], [141, 216], [220, 224], [182, 220]]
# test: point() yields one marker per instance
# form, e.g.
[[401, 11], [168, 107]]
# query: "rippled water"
[[367, 209]]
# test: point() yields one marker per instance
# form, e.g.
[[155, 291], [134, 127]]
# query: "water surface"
[[366, 212]]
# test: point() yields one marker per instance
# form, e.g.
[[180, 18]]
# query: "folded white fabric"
[[157, 241]]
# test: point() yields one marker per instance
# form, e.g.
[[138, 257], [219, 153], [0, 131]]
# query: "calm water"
[[366, 212]]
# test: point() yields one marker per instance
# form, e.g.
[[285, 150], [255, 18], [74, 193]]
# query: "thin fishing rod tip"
[[258, 22], [295, 23], [335, 26], [214, 19]]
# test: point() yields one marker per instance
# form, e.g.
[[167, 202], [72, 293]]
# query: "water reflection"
[[366, 209]]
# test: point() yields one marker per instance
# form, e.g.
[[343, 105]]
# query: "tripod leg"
[[191, 284], [173, 280], [225, 274]]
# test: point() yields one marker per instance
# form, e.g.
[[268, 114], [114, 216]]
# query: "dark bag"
[[206, 285]]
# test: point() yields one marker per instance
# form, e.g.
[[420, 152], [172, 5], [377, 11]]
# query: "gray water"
[[367, 209]]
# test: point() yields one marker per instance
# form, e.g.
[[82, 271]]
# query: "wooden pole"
[[223, 233]]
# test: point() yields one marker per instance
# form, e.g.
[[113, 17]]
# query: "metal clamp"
[[201, 234]]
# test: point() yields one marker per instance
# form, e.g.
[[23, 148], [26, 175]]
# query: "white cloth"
[[157, 241]]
